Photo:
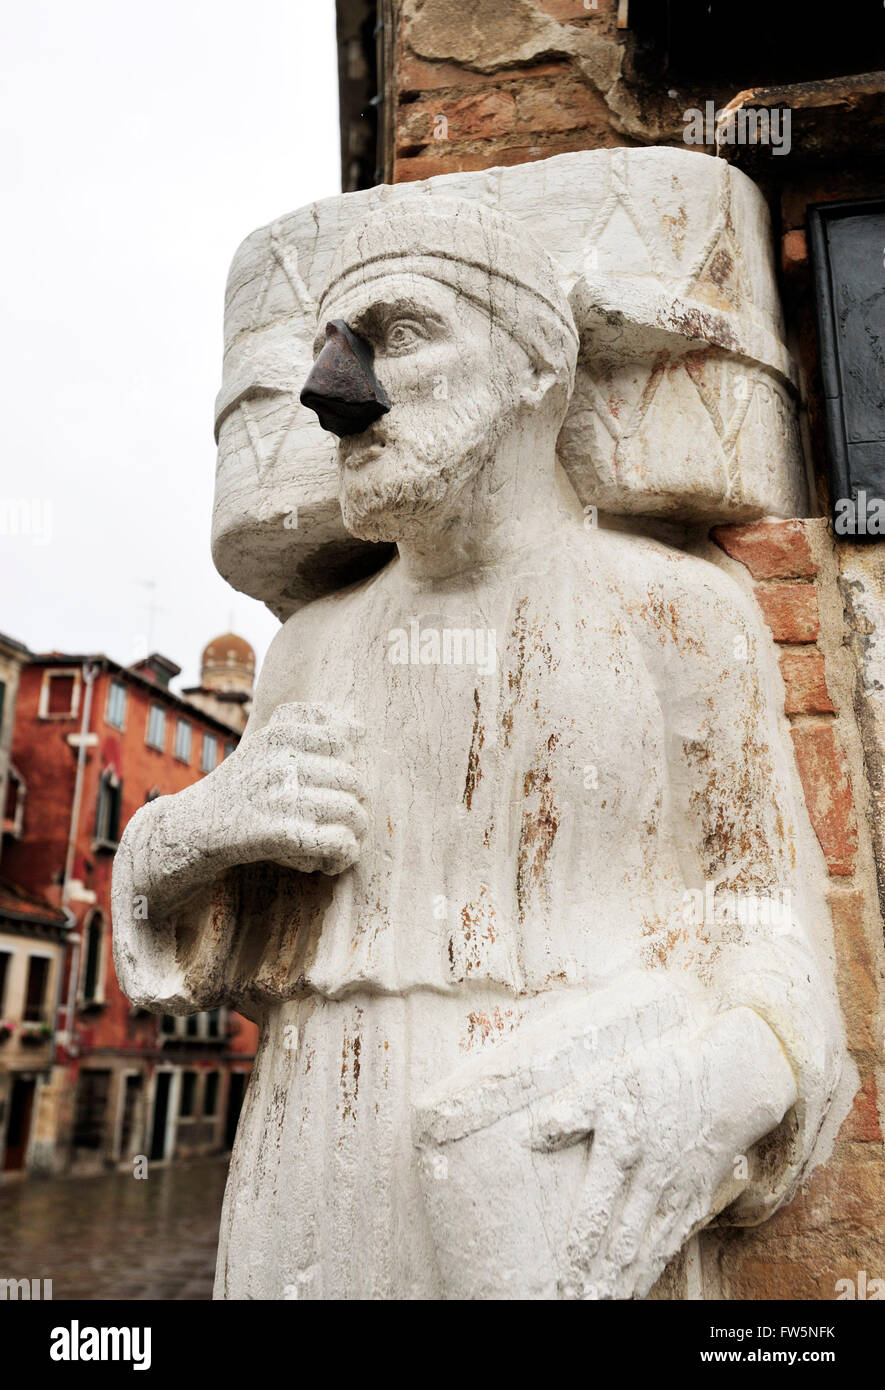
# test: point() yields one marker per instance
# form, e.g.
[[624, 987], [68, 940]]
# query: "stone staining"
[[539, 962]]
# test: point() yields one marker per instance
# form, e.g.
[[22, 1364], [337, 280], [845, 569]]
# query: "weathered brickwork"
[[480, 83], [831, 1231], [778, 554]]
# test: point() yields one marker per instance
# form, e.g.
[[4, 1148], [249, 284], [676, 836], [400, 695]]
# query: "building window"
[[35, 996], [107, 811], [210, 753], [60, 695], [210, 1094], [183, 733], [188, 1093], [156, 728], [229, 748], [116, 708], [152, 795], [206, 1027], [5, 958], [92, 959], [14, 810]]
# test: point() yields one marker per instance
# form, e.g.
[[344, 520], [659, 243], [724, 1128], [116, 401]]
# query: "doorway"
[[235, 1092], [18, 1131], [161, 1114], [130, 1127]]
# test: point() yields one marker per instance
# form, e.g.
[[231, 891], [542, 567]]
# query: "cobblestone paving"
[[116, 1236]]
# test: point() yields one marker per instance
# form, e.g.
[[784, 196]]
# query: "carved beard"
[[419, 476]]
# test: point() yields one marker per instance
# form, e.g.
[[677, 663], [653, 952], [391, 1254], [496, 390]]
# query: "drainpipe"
[[89, 674], [70, 926]]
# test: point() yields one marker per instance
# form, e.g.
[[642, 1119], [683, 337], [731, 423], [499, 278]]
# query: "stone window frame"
[[14, 824], [209, 741], [108, 810], [158, 743], [97, 998], [185, 725], [45, 1008], [49, 676], [113, 687]]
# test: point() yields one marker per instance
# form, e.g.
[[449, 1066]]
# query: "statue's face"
[[453, 378]]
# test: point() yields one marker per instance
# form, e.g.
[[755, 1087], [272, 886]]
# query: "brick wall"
[[833, 1229], [480, 83]]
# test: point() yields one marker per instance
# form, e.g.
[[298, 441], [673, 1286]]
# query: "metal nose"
[[342, 387]]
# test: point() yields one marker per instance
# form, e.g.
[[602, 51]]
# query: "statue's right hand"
[[290, 794]]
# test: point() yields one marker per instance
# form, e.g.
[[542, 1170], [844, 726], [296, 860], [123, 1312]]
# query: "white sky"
[[139, 143]]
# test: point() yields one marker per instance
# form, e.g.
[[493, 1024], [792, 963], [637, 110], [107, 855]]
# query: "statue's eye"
[[401, 335]]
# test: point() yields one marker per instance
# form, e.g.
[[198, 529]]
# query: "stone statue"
[[505, 863]]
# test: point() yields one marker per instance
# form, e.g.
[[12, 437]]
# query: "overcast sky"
[[139, 143]]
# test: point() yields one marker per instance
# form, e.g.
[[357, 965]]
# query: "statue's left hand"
[[670, 1125]]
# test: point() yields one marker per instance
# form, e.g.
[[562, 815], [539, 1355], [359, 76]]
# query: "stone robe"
[[534, 830]]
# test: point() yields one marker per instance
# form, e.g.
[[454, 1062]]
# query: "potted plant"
[[35, 1033]]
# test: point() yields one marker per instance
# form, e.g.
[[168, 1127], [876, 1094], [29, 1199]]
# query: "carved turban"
[[484, 255]]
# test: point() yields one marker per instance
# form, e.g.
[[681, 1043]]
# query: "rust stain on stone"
[[537, 831], [467, 949], [514, 676], [477, 739], [674, 226], [350, 1071], [482, 1025], [720, 267]]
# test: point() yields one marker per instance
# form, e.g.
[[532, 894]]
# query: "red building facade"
[[92, 742]]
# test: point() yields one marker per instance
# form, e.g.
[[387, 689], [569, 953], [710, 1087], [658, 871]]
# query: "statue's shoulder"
[[672, 599], [644, 567]]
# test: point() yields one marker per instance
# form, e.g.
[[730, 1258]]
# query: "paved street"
[[115, 1236]]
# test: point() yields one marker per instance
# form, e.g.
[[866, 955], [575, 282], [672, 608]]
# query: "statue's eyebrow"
[[381, 311], [372, 317]]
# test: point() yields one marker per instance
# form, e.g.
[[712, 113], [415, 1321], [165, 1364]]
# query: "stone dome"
[[227, 659]]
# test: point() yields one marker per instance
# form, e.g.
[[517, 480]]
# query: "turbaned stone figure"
[[446, 869]]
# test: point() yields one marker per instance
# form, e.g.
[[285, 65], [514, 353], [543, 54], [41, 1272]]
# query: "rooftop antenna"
[[152, 608]]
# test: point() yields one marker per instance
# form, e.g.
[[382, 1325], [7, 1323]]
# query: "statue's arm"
[[737, 823], [286, 796]]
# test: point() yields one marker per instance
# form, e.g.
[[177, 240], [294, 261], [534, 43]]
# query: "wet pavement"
[[116, 1236]]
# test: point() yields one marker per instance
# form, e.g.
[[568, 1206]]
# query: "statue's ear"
[[537, 381]]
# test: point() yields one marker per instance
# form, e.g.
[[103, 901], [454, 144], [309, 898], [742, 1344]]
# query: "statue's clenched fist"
[[287, 794]]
